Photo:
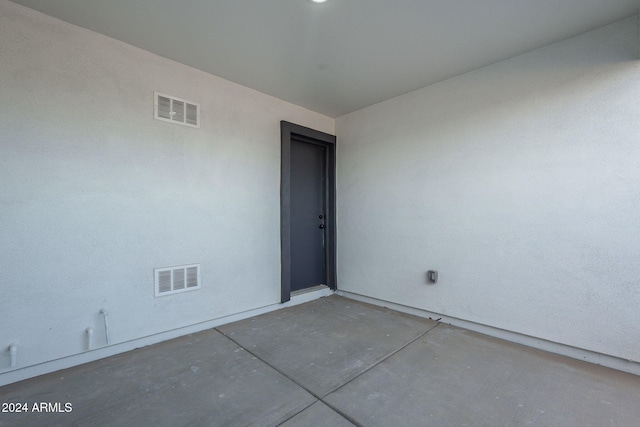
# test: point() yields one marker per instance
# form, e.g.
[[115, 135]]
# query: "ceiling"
[[341, 55]]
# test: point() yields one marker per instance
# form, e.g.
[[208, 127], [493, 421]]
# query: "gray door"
[[307, 191], [308, 212]]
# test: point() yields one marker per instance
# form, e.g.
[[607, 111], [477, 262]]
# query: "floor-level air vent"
[[176, 110], [171, 280]]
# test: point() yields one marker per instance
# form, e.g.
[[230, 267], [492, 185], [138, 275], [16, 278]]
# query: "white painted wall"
[[95, 193], [519, 182]]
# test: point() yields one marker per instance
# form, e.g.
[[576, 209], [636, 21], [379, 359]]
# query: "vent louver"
[[171, 280], [175, 110]]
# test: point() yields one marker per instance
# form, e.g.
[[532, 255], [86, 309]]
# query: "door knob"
[[321, 226]]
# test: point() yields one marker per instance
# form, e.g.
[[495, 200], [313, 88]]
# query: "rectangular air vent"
[[171, 280], [175, 110]]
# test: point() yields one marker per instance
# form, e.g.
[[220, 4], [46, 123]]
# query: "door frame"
[[289, 131]]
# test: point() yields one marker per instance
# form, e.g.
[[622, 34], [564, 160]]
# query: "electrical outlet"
[[432, 276]]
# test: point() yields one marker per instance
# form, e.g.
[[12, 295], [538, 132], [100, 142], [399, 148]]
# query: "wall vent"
[[171, 280], [175, 110]]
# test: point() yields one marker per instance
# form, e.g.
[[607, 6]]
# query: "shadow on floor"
[[331, 362]]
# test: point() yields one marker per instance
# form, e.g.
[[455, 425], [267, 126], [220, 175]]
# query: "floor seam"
[[299, 412], [393, 353], [317, 397], [321, 398]]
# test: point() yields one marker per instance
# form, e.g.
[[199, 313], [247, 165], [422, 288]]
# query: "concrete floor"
[[332, 362]]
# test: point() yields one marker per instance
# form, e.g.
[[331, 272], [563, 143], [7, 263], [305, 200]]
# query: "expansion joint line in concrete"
[[386, 357], [321, 398]]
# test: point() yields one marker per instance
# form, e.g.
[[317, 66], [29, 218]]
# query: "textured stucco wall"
[[519, 182], [95, 193]]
